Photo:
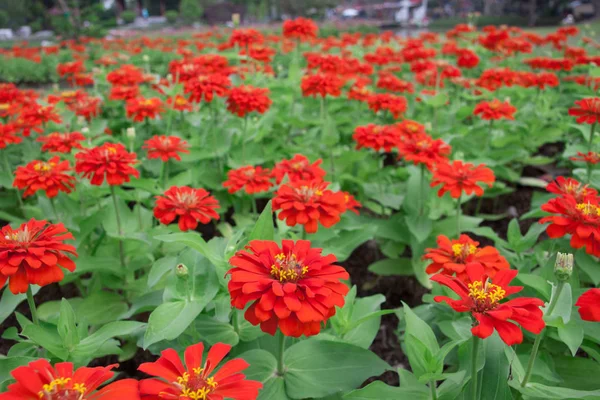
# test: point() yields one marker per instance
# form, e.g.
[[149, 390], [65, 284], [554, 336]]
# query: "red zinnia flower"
[[33, 116], [33, 253], [48, 176], [590, 157], [125, 75], [39, 380], [188, 204], [351, 203], [207, 86], [589, 305], [300, 28], [588, 110], [396, 105], [394, 84], [111, 160], [61, 142], [482, 297], [458, 177], [292, 287], [298, 168], [467, 58], [165, 147], [422, 149], [245, 99], [70, 68], [245, 37], [453, 256], [252, 179], [409, 128], [569, 186], [495, 109], [321, 85], [179, 103], [194, 380], [124, 92], [8, 135], [376, 137], [139, 109], [309, 202]]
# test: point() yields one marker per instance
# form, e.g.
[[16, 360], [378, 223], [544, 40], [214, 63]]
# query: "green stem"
[[32, 308], [166, 175], [591, 139], [540, 337], [53, 204], [245, 132], [433, 389], [458, 212], [120, 230], [254, 207], [280, 365], [422, 191], [474, 372]]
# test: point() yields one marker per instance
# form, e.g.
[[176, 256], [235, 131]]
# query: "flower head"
[[206, 87], [245, 37], [408, 128], [298, 168], [33, 254], [588, 158], [351, 203], [589, 305], [140, 108], [125, 75], [8, 135], [111, 161], [300, 28], [458, 177], [376, 137], [291, 286], [187, 204], [40, 380], [308, 203], [61, 142], [321, 85], [251, 179], [587, 111], [569, 186], [49, 176], [395, 104], [246, 99], [495, 109], [423, 149], [179, 103], [124, 92], [484, 298], [165, 147]]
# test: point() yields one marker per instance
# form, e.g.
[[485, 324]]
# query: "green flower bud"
[[563, 268], [181, 271]]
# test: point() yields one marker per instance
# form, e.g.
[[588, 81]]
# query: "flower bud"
[[146, 58], [563, 268], [85, 130], [131, 133], [181, 271]]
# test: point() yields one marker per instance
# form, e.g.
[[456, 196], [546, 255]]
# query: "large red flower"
[[569, 186], [482, 297], [246, 99], [140, 108], [298, 168], [245, 37], [189, 205], [458, 177], [49, 176], [589, 305], [408, 128], [452, 256], [195, 380], [376, 137], [300, 28], [206, 87], [495, 109], [61, 142], [396, 105], [251, 179], [39, 380], [33, 254], [587, 110], [292, 287], [125, 75], [165, 147], [422, 149], [307, 203], [321, 85], [111, 160]]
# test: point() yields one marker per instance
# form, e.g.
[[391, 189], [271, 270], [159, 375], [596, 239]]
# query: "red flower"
[[300, 28], [61, 142], [321, 85], [396, 105], [194, 380], [245, 37], [88, 107], [351, 203], [139, 109], [124, 92], [165, 147], [47, 176], [590, 157], [70, 68], [39, 380], [298, 168], [495, 109], [292, 287], [482, 297], [188, 204], [261, 53], [408, 128], [309, 202], [394, 84], [376, 137], [111, 160], [580, 219], [125, 75], [207, 86], [252, 179], [589, 305], [32, 254], [452, 257], [458, 177], [246, 99], [179, 103], [422, 149], [359, 93], [569, 186], [8, 135], [467, 58], [33, 116], [588, 110]]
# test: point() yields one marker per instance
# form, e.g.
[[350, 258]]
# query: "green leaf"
[[10, 301], [194, 241], [159, 268], [169, 320], [536, 282], [420, 226], [89, 345], [262, 365], [561, 314], [417, 327], [390, 266], [101, 307], [572, 335], [380, 391], [364, 321], [213, 331], [67, 328], [514, 233], [344, 243], [494, 377], [274, 389], [49, 339], [589, 265], [264, 228], [318, 368]]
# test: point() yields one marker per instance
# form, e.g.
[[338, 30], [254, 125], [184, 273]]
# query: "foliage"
[[191, 11]]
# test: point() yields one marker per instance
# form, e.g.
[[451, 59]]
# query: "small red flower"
[[308, 203], [408, 128], [587, 110], [394, 84], [48, 176], [589, 158], [482, 297], [195, 379], [458, 177], [189, 205], [495, 109], [33, 255], [246, 99], [452, 257], [292, 287], [207, 86], [179, 103], [298, 168], [111, 160], [300, 28], [467, 58], [165, 147], [34, 116], [376, 137], [124, 92], [351, 203], [125, 75], [88, 107], [589, 305], [245, 37], [8, 135], [321, 85], [422, 149], [39, 380], [396, 105], [70, 68], [569, 186], [251, 179], [61, 142], [140, 108]]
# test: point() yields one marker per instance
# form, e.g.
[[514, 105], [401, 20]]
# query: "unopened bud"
[[181, 271], [563, 268], [130, 133], [145, 58], [85, 130]]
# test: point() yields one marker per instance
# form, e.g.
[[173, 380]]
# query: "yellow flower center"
[[485, 295], [44, 166], [59, 389], [588, 209], [463, 250], [195, 386], [287, 268], [68, 94], [180, 101], [4, 106]]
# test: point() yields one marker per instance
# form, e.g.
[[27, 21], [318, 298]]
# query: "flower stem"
[[119, 229], [540, 337], [458, 212], [474, 372], [254, 207], [433, 389], [53, 204], [422, 191], [280, 365], [244, 134], [32, 308], [591, 139]]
